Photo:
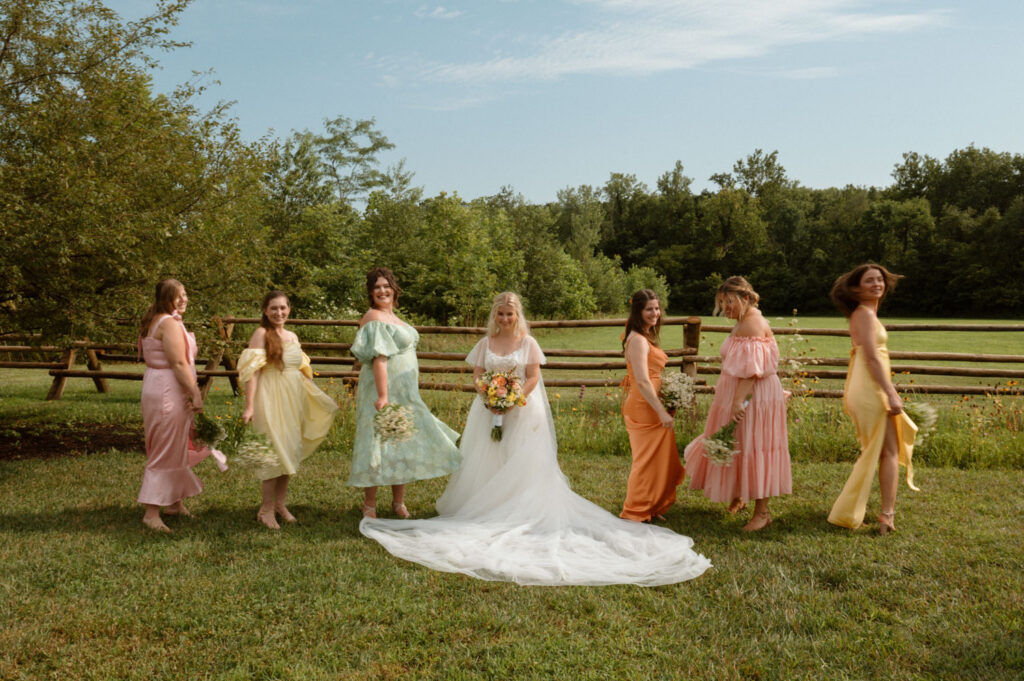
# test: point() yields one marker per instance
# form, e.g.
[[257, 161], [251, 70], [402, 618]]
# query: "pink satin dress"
[[762, 468], [167, 418]]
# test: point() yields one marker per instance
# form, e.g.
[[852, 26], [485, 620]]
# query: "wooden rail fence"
[[220, 362]]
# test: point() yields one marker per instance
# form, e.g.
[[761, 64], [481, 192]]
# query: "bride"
[[509, 515]]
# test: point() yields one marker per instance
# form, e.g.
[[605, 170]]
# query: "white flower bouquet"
[[394, 424]]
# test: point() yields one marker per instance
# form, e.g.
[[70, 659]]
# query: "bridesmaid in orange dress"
[[656, 470]]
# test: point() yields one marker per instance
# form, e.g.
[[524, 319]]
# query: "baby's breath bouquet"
[[245, 446], [394, 424], [676, 390], [924, 417], [721, 448]]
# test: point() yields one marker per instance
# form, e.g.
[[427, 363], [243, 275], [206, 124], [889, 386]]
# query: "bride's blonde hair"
[[512, 300]]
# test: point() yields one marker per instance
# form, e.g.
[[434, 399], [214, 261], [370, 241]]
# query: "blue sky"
[[541, 95]]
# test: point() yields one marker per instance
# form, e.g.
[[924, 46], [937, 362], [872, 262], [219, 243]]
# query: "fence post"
[[691, 339], [57, 387], [221, 356]]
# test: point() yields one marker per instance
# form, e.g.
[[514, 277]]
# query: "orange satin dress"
[[656, 470]]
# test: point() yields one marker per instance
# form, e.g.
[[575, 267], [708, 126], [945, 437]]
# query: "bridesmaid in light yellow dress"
[[282, 402], [886, 434]]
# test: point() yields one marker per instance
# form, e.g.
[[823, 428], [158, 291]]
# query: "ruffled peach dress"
[[656, 470], [762, 468]]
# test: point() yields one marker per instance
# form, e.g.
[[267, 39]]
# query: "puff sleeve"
[[751, 357], [249, 362], [534, 355], [306, 367], [374, 340], [477, 356]]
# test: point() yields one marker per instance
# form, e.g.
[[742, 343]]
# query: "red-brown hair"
[[271, 340]]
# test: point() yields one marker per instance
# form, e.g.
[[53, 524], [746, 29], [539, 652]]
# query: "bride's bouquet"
[[502, 390], [676, 390], [394, 424]]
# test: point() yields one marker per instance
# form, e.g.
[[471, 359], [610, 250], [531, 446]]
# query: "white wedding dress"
[[509, 515]]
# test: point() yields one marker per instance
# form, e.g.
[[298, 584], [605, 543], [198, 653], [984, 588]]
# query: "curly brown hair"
[[371, 280]]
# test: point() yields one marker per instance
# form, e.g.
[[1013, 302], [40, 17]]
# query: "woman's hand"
[[738, 410], [381, 403], [666, 420], [247, 414], [895, 403], [195, 400]]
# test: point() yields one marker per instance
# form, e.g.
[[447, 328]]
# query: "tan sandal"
[[401, 511], [758, 521], [369, 511], [885, 522], [267, 519]]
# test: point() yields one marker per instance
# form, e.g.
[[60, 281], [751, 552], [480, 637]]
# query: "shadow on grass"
[[224, 525]]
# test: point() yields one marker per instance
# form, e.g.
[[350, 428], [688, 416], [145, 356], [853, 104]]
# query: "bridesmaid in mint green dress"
[[386, 347]]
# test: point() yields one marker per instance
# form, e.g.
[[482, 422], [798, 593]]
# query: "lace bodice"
[[527, 353]]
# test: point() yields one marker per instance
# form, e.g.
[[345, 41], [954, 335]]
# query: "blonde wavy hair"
[[737, 288], [513, 301]]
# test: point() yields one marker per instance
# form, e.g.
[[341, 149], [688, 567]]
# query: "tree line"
[[106, 186]]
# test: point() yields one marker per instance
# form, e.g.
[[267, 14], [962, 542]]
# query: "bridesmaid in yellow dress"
[[282, 402], [885, 433], [656, 470]]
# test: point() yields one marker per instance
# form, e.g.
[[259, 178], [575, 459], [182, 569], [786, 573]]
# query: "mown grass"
[[87, 593]]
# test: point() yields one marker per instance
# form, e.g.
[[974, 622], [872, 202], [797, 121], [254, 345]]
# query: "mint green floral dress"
[[432, 451]]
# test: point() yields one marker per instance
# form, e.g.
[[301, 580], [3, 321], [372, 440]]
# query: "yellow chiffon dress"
[[289, 409], [868, 407]]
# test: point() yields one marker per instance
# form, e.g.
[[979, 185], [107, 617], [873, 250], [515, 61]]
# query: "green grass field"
[[87, 593]]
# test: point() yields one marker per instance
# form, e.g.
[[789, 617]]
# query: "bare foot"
[[401, 511], [285, 514], [885, 522], [177, 509], [155, 524], [268, 519], [758, 521], [737, 505]]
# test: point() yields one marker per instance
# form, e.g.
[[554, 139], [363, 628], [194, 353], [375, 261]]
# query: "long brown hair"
[[843, 295], [166, 291], [371, 280], [635, 323], [271, 340]]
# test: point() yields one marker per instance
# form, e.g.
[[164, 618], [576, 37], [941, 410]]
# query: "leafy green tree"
[[107, 188]]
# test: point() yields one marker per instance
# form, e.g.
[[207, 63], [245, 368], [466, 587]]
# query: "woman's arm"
[[257, 342], [176, 350], [636, 352], [754, 325], [532, 379], [862, 328], [380, 377]]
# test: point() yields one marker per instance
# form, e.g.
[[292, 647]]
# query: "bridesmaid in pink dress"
[[170, 397], [749, 392]]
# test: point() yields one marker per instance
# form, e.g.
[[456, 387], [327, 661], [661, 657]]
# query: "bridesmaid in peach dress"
[[656, 470], [170, 397], [750, 393]]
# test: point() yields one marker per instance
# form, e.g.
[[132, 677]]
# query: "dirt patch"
[[35, 442]]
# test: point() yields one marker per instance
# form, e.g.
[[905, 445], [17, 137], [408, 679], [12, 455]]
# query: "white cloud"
[[438, 12], [628, 37]]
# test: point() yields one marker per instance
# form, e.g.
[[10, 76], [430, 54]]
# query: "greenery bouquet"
[[244, 446], [502, 391]]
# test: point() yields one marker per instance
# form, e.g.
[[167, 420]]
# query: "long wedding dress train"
[[509, 514]]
